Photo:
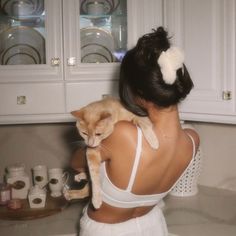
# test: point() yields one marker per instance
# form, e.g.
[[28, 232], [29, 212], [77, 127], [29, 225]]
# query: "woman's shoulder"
[[123, 125], [124, 130], [122, 138], [193, 133]]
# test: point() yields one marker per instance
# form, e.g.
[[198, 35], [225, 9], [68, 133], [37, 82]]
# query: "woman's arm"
[[78, 160]]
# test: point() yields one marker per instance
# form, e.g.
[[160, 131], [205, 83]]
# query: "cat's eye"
[[85, 133], [98, 134]]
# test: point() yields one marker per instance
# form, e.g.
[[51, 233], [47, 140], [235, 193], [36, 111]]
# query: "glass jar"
[[5, 193]]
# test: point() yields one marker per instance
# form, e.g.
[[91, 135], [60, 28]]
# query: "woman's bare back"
[[164, 165]]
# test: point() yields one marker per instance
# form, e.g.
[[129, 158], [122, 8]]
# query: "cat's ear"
[[79, 114], [105, 116]]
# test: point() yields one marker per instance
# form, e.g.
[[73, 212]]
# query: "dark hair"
[[141, 77]]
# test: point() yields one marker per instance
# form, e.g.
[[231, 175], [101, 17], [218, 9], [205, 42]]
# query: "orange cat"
[[95, 122]]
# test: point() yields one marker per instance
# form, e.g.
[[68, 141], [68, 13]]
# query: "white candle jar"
[[37, 197], [19, 181]]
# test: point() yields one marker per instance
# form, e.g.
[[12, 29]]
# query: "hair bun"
[[160, 36], [152, 44], [161, 33]]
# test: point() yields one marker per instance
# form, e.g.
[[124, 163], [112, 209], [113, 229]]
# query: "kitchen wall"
[[218, 143], [52, 144]]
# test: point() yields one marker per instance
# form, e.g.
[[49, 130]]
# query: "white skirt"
[[151, 224]]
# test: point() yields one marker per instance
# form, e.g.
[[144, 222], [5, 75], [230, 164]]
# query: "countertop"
[[212, 212]]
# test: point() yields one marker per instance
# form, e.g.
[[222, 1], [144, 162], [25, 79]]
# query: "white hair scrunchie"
[[170, 61]]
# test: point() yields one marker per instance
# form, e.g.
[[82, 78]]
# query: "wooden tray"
[[52, 206]]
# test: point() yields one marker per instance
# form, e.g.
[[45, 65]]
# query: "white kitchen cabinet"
[[97, 90], [206, 30], [45, 71], [66, 77], [31, 72]]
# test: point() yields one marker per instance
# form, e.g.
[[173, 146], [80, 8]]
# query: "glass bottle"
[[5, 193]]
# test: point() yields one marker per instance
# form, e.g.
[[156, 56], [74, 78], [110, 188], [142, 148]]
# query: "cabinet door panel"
[[31, 46], [206, 31], [88, 38], [37, 98], [82, 93]]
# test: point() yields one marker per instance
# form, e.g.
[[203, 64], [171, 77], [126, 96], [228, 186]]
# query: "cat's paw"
[[151, 138], [81, 176], [67, 195], [76, 194], [97, 200], [154, 143]]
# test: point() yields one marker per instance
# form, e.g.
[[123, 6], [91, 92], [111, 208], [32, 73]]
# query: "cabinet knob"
[[71, 61], [55, 61], [227, 95], [21, 100]]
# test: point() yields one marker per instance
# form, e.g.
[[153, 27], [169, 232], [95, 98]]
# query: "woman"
[[135, 177]]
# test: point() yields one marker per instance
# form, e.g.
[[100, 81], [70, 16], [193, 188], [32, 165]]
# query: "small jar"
[[37, 197], [15, 204], [5, 194], [19, 181]]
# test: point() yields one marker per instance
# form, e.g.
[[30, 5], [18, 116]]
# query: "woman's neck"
[[165, 119]]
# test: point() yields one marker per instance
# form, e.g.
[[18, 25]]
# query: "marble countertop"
[[212, 212]]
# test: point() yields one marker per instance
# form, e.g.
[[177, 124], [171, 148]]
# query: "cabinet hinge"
[[227, 95]]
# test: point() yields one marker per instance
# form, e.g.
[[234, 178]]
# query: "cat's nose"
[[91, 143], [92, 146]]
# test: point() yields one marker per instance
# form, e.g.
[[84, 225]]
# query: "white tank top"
[[124, 198]]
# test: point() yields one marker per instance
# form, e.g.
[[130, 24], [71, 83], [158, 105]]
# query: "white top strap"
[[136, 160], [194, 147]]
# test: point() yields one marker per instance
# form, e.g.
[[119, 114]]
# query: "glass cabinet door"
[[96, 37], [103, 30], [22, 33], [97, 34], [30, 39]]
